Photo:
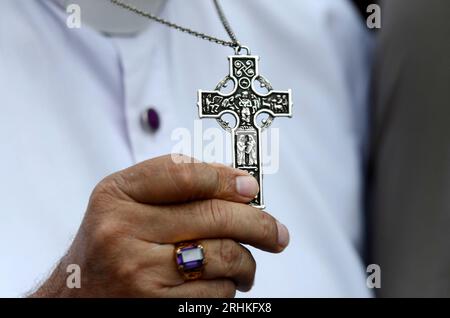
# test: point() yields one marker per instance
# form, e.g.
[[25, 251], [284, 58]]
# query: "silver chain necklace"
[[234, 43], [244, 102]]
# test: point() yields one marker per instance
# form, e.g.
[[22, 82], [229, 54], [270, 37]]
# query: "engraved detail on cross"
[[245, 104]]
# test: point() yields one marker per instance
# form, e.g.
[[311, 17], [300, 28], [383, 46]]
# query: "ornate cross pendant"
[[245, 104]]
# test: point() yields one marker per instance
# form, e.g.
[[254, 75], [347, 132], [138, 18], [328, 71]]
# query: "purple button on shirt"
[[151, 120]]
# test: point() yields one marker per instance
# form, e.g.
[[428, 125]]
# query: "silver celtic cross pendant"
[[245, 104]]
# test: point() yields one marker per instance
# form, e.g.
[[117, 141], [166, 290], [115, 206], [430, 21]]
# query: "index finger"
[[210, 219]]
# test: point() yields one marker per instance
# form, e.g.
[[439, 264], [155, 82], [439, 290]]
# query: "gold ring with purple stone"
[[190, 260]]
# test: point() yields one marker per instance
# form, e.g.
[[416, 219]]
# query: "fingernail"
[[283, 235], [247, 186]]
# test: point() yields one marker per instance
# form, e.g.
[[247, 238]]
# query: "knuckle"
[[106, 232], [105, 194], [230, 256], [102, 194], [126, 271], [268, 228], [220, 214], [186, 175], [223, 181], [213, 178], [178, 158], [182, 175]]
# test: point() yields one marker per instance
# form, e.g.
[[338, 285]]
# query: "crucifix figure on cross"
[[245, 104]]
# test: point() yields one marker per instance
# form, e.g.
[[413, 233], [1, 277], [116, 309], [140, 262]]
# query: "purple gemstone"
[[190, 257], [192, 265], [179, 259], [153, 119]]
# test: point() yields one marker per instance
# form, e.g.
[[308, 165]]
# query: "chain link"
[[234, 43], [226, 24]]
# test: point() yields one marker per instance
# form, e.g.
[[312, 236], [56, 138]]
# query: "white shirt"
[[71, 101]]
